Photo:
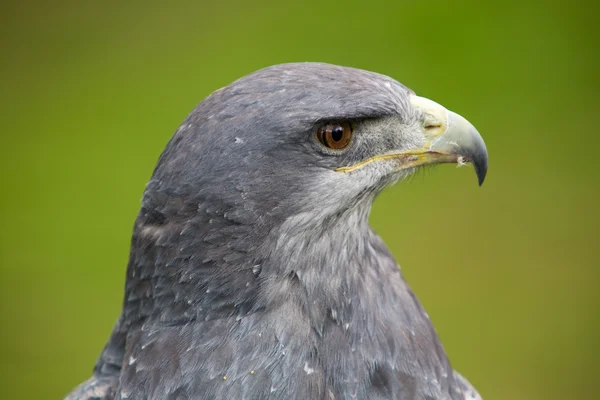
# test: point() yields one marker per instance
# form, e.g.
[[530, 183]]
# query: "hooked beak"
[[450, 138]]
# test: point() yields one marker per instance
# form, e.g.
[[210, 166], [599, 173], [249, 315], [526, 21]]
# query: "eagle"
[[253, 271]]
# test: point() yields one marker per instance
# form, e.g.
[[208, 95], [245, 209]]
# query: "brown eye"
[[335, 135]]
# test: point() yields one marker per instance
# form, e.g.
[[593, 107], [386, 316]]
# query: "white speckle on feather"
[[308, 369], [460, 161], [238, 140], [151, 231], [131, 360], [273, 389]]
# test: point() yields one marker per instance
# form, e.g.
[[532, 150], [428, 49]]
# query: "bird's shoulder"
[[468, 391], [95, 388]]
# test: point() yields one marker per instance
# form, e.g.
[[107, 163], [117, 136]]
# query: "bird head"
[[311, 140], [274, 175]]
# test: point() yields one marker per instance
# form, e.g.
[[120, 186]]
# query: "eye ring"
[[335, 135]]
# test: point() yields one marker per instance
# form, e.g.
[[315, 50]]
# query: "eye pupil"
[[337, 132], [335, 135]]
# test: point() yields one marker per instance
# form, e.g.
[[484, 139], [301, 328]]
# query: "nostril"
[[433, 126]]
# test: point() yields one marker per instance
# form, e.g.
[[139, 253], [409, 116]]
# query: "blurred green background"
[[92, 91]]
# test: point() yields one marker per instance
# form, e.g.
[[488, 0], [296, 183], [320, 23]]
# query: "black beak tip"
[[479, 158], [480, 162], [481, 171]]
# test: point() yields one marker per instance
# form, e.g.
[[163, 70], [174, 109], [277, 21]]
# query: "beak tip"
[[478, 154], [481, 166], [481, 178]]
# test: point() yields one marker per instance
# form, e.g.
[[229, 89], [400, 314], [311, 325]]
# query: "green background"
[[91, 92]]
